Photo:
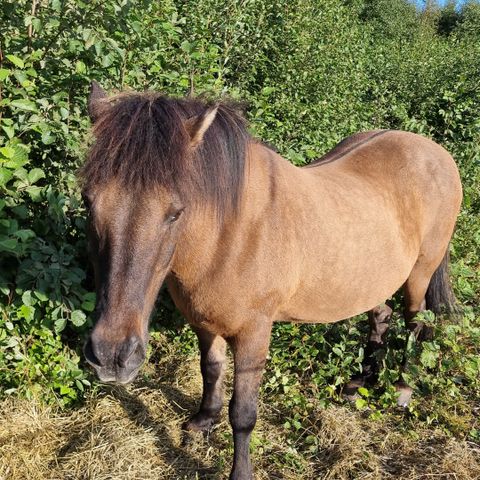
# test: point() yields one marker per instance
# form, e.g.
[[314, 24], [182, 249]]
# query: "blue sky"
[[421, 3]]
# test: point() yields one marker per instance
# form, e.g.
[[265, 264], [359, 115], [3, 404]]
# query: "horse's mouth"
[[115, 378]]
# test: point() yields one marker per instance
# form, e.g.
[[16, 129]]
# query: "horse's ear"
[[197, 126], [96, 101]]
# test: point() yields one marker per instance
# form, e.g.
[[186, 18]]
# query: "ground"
[[135, 433]]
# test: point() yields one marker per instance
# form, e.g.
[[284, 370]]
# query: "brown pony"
[[178, 190]]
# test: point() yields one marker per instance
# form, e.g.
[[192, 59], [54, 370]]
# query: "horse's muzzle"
[[115, 362]]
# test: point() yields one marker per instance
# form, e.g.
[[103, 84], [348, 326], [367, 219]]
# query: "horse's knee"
[[212, 370]]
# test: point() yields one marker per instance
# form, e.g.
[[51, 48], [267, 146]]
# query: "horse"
[[177, 190]]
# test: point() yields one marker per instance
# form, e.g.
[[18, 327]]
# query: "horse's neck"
[[204, 244]]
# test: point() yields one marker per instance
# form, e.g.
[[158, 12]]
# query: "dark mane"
[[141, 140]]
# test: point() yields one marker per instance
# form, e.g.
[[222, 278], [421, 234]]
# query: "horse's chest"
[[205, 307]]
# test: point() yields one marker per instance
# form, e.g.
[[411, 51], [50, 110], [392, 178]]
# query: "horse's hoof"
[[405, 394], [199, 423], [350, 390]]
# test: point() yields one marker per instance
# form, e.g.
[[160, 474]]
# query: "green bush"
[[311, 73]]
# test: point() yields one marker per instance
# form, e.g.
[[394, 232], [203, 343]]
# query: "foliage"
[[311, 73]]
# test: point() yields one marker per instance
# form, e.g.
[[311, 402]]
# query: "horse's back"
[[383, 146], [412, 167], [346, 146]]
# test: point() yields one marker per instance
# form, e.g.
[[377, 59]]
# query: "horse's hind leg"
[[212, 365], [414, 291], [379, 321]]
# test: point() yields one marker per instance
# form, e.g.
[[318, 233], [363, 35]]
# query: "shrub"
[[311, 73]]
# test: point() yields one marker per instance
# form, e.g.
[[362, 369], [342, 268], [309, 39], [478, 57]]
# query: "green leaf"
[[24, 104], [35, 175], [107, 60], [363, 392], [27, 312], [21, 153], [32, 72], [64, 113], [35, 192], [88, 306], [78, 318], [337, 351], [19, 157], [20, 211], [18, 62], [10, 131], [60, 324], [268, 90], [5, 176], [64, 390], [90, 296], [25, 234], [186, 46], [429, 358], [8, 245], [22, 174], [48, 138], [360, 403], [53, 22], [27, 298], [7, 152], [21, 76], [80, 67], [4, 73], [5, 290], [37, 24], [136, 26], [40, 295]]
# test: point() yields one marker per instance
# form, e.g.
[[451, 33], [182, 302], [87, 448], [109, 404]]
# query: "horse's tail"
[[440, 294]]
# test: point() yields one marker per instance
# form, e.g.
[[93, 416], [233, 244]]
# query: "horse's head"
[[136, 215], [132, 240]]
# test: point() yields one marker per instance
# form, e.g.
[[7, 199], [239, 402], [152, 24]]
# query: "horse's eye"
[[173, 217]]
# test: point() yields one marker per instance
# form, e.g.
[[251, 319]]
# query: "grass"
[[135, 433]]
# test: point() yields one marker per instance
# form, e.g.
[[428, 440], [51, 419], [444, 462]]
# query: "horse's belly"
[[350, 282], [327, 303]]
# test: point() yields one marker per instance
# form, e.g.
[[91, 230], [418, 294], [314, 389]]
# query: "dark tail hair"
[[439, 294]]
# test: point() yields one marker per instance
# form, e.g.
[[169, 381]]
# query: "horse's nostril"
[[130, 346], [89, 353]]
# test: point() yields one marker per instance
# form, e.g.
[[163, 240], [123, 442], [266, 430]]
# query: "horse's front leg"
[[212, 365], [250, 349]]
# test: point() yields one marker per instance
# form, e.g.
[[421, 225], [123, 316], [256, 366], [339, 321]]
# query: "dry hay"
[[135, 433]]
